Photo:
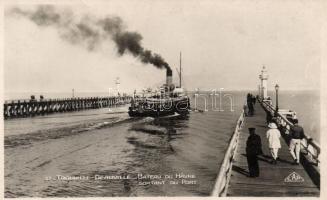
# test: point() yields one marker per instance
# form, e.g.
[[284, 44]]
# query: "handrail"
[[222, 180], [308, 144]]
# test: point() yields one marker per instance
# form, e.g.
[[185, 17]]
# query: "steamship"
[[169, 100]]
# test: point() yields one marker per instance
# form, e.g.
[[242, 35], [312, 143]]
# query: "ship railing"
[[309, 147], [222, 180], [155, 100]]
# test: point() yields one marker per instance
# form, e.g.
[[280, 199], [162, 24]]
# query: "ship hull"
[[159, 108]]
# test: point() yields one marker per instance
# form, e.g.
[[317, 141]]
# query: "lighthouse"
[[263, 83], [117, 82]]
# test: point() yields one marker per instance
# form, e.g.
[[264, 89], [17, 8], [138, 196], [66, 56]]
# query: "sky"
[[224, 44]]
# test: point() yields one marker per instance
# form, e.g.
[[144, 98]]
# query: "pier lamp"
[[276, 88]]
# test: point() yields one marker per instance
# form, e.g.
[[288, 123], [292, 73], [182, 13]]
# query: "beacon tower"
[[263, 83]]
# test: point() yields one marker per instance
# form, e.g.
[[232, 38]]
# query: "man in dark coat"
[[249, 102], [269, 117], [253, 149], [254, 99], [251, 108]]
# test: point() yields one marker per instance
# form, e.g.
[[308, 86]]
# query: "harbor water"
[[104, 152], [306, 104]]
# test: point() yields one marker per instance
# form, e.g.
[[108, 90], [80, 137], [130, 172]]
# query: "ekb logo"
[[294, 178]]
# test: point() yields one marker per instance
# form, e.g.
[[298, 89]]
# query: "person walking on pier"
[[245, 108], [254, 99], [253, 149], [273, 136], [296, 134], [250, 104], [269, 118]]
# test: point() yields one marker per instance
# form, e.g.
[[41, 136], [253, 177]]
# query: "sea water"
[[104, 152]]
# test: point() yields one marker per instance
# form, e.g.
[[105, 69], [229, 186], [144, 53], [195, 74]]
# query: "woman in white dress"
[[273, 136]]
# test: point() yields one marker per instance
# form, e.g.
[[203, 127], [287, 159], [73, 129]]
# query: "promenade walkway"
[[274, 180]]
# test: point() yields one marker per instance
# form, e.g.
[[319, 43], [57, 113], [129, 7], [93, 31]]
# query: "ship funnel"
[[169, 77]]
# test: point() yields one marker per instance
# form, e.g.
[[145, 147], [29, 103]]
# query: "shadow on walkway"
[[260, 157], [240, 170]]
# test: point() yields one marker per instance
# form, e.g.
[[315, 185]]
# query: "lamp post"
[[276, 88]]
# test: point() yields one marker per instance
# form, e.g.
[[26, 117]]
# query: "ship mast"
[[180, 69]]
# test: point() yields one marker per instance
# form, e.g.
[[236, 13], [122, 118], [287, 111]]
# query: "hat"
[[251, 129], [272, 125]]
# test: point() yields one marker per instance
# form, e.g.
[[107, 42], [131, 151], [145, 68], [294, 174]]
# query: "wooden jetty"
[[283, 179], [32, 107]]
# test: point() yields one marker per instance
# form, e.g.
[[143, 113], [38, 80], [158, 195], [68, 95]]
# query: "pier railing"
[[32, 107], [309, 147], [222, 180]]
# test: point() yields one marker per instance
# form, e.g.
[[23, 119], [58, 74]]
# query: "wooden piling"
[[25, 108]]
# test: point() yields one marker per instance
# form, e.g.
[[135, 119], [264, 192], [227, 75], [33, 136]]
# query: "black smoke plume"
[[92, 32]]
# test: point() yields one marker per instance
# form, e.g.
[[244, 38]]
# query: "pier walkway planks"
[[271, 180]]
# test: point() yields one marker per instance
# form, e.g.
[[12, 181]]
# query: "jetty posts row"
[[226, 184], [33, 107]]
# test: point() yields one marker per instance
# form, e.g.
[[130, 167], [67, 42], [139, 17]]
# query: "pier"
[[32, 107], [283, 179]]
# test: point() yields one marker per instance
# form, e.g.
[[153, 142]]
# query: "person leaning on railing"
[[296, 135]]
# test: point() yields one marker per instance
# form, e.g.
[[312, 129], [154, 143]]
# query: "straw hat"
[[272, 125]]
